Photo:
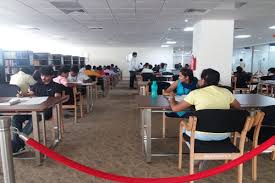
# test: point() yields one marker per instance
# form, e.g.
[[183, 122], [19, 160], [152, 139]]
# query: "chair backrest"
[[161, 86], [167, 73], [7, 90], [147, 76], [221, 120], [269, 118]]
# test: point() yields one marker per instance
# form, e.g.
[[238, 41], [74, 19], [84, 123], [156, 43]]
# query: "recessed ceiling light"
[[186, 20], [272, 27], [58, 37], [165, 46], [188, 29], [242, 36], [171, 42], [27, 27]]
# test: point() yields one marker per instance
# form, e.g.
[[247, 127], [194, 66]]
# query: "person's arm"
[[235, 104], [58, 91], [172, 87], [176, 107]]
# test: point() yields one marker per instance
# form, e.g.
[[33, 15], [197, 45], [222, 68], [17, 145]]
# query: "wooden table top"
[[50, 102], [246, 101]]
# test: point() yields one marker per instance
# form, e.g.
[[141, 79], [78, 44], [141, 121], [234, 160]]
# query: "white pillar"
[[213, 47]]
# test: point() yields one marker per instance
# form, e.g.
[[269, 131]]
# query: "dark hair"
[[150, 66], [75, 69], [187, 72], [108, 67], [134, 54], [94, 67], [271, 70], [241, 60], [112, 65], [162, 65], [63, 70], [88, 67], [26, 70], [47, 71], [239, 69], [210, 76]]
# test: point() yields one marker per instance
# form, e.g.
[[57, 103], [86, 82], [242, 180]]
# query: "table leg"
[[148, 122], [91, 98], [6, 151], [36, 135], [88, 99]]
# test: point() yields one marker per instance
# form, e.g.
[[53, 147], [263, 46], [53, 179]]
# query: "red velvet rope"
[[97, 173]]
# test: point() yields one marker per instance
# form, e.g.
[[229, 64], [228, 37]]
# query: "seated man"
[[45, 87], [22, 79]]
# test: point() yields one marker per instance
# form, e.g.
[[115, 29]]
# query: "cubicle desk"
[[89, 94], [35, 110], [148, 104]]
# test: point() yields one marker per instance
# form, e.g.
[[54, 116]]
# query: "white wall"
[[213, 47], [117, 56]]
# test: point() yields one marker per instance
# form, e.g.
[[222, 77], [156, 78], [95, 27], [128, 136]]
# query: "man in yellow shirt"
[[89, 72], [22, 79], [209, 96]]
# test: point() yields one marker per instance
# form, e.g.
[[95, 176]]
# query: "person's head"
[[271, 71], [47, 74], [134, 54], [239, 69], [108, 67], [99, 68], [88, 67], [186, 75], [64, 72], [241, 60], [94, 67], [26, 70], [146, 65], [209, 77], [112, 65], [150, 66], [74, 71], [186, 66], [162, 65]]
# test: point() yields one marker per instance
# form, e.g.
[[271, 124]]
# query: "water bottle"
[[154, 89]]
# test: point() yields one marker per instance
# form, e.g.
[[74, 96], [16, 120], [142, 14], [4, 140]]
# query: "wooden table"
[[148, 104], [35, 110], [89, 94], [267, 83]]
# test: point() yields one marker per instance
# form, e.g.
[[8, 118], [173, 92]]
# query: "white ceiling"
[[138, 22]]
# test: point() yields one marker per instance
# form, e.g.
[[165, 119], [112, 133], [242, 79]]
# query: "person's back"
[[22, 80], [210, 97]]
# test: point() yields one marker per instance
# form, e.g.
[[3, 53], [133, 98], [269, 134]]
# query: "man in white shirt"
[[133, 67], [242, 64], [22, 79]]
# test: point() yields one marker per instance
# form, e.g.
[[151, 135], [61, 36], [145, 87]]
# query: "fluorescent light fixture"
[[186, 20], [171, 42], [242, 36], [257, 50], [272, 27], [188, 29], [25, 27], [165, 46], [58, 37]]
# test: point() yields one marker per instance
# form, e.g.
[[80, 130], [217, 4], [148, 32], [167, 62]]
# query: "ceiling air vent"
[[240, 4], [96, 28], [193, 11], [68, 7]]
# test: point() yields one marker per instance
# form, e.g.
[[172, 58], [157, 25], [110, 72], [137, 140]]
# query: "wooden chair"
[[262, 131], [215, 121], [78, 102]]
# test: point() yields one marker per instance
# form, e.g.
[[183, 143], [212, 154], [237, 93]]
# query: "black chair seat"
[[223, 146], [265, 134]]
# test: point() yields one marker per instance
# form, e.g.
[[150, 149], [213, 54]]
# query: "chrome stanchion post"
[[6, 150]]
